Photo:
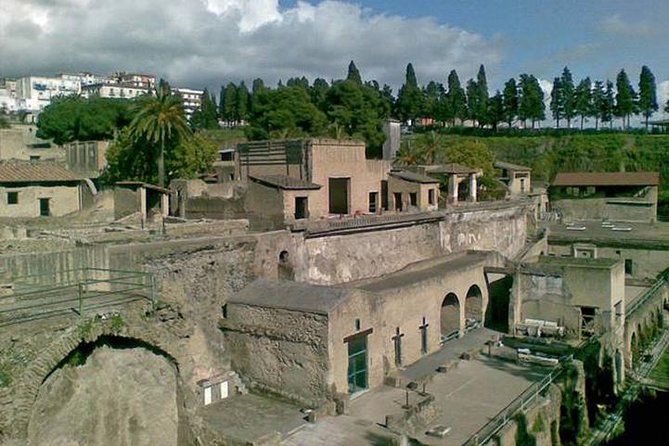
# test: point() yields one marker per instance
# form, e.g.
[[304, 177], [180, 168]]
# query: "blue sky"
[[208, 43], [593, 37]]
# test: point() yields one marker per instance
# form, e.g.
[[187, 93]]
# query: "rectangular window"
[[629, 266], [431, 197], [413, 196], [12, 198], [301, 207], [373, 202], [44, 210]]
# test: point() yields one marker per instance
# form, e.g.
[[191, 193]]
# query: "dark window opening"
[[34, 157], [44, 210], [423, 336], [588, 321], [629, 266], [413, 197], [12, 198], [357, 325], [339, 195], [384, 195], [397, 339], [373, 201], [301, 207], [431, 197], [224, 310], [398, 201]]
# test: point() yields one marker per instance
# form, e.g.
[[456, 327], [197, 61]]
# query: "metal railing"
[[523, 401], [647, 295], [63, 292]]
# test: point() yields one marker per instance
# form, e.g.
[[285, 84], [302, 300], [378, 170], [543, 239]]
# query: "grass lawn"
[[661, 371]]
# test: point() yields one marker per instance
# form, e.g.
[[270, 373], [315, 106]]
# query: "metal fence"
[[648, 294], [72, 291], [528, 397]]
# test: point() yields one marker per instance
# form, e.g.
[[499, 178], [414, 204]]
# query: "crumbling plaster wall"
[[343, 258], [283, 350]]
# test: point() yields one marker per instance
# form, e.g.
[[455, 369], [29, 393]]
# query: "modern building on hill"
[[192, 99], [622, 196]]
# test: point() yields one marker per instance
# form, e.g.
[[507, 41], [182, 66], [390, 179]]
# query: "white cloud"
[[615, 24], [210, 42]]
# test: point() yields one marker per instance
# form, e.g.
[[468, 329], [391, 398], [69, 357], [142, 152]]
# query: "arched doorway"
[[450, 315], [499, 296], [473, 307], [634, 350]]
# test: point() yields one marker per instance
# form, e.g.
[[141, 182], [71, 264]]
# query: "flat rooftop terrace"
[[652, 235]]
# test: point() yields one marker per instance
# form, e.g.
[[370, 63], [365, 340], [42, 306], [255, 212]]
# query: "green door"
[[357, 364]]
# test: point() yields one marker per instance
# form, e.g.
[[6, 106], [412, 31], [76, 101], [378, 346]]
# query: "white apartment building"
[[192, 99], [35, 92], [113, 90]]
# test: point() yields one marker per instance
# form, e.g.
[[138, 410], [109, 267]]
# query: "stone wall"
[[615, 209], [283, 350], [371, 253]]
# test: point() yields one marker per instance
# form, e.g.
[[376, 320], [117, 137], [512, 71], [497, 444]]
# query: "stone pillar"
[[472, 188], [165, 205], [142, 201], [453, 189]]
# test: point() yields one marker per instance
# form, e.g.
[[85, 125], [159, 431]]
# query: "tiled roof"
[[284, 182], [510, 166], [607, 179], [413, 177], [35, 173]]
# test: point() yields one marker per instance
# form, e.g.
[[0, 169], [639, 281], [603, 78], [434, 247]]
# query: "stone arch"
[[634, 349], [285, 266], [450, 314], [474, 305], [55, 354]]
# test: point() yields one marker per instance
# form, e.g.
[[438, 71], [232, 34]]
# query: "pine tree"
[[410, 97], [510, 101], [557, 101], [432, 94], [647, 94], [608, 105], [472, 99], [455, 103], [353, 74], [598, 102], [205, 117], [531, 105], [243, 104], [624, 97], [483, 96], [257, 87], [583, 100], [568, 100], [229, 104], [495, 113]]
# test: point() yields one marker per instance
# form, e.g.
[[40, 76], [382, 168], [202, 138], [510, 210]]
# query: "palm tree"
[[160, 119]]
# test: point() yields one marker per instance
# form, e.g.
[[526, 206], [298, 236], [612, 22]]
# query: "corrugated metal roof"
[[34, 173], [413, 177], [607, 179], [284, 182]]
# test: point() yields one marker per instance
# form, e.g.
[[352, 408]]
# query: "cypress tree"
[[557, 101], [583, 99], [568, 100], [598, 101], [647, 94], [353, 74], [510, 96], [624, 97]]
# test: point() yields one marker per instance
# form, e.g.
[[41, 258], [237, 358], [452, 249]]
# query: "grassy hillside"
[[547, 155]]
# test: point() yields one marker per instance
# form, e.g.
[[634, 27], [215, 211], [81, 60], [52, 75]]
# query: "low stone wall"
[[615, 209]]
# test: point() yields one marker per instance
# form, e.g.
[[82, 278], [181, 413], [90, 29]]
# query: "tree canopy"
[[73, 118]]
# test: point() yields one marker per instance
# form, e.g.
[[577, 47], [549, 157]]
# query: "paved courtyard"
[[469, 395]]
